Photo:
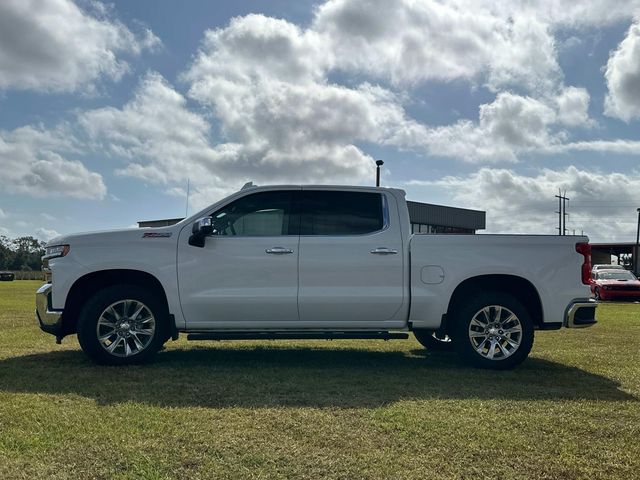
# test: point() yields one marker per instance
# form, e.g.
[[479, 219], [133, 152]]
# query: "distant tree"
[[22, 253]]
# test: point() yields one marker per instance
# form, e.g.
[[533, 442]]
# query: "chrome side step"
[[348, 335]]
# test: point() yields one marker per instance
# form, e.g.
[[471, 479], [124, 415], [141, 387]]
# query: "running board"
[[354, 335]]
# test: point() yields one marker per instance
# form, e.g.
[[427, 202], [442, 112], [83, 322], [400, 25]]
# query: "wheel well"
[[519, 287], [89, 284]]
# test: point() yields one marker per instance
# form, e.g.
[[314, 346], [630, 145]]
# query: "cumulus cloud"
[[409, 42], [161, 139], [57, 46], [623, 77], [45, 234], [510, 125], [570, 13], [517, 203], [283, 132], [264, 84], [573, 105], [33, 163]]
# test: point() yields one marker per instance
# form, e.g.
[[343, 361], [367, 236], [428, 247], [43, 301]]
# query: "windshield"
[[622, 275]]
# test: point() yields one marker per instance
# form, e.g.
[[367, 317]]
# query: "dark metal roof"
[[614, 247], [427, 213]]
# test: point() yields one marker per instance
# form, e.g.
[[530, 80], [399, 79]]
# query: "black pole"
[[635, 255], [559, 197], [379, 163]]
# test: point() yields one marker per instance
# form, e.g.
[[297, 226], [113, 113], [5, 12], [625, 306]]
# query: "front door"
[[246, 276]]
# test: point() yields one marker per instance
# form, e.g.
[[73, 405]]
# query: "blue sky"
[[107, 109]]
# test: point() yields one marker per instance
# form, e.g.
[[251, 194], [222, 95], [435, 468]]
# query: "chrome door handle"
[[384, 251], [278, 250]]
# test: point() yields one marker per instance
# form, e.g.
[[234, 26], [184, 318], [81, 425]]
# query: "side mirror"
[[201, 229]]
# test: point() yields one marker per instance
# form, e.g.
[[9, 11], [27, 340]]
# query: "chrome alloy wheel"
[[126, 328], [495, 332]]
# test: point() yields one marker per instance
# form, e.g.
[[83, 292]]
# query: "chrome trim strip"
[[569, 320], [43, 313]]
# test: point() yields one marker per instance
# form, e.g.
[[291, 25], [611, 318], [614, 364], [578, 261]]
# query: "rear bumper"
[[581, 314], [50, 320]]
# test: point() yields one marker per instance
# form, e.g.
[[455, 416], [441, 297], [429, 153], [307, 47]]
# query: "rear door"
[[351, 260]]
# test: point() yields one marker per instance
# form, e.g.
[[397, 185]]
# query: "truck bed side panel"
[[440, 263]]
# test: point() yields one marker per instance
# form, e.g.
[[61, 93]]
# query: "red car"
[[615, 284]]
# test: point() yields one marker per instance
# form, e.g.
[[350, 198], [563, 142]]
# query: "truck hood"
[[104, 237], [635, 283]]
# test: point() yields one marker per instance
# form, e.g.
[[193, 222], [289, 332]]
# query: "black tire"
[[464, 345], [429, 340], [99, 302], [597, 295]]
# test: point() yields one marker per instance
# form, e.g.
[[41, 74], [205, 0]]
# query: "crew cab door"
[[246, 275], [351, 260]]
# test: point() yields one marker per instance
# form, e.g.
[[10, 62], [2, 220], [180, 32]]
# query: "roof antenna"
[[186, 211]]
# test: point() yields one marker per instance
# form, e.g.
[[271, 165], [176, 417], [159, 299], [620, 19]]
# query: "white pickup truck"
[[312, 262]]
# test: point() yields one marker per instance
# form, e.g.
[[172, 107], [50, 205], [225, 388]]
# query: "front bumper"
[[581, 314], [619, 294], [50, 320]]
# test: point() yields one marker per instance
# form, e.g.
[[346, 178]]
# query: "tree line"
[[22, 253]]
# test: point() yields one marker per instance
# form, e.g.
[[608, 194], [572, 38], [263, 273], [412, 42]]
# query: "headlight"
[[606, 287], [56, 251]]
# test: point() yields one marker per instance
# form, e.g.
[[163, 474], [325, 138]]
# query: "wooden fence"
[[28, 274]]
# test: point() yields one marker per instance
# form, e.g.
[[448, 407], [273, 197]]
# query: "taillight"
[[585, 250]]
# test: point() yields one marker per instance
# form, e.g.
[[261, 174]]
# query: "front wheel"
[[122, 324], [493, 330]]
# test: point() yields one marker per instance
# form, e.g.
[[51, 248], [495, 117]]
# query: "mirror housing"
[[202, 228]]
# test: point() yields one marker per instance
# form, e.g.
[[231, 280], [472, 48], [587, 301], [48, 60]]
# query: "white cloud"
[[32, 163], [510, 125], [45, 234], [264, 86], [292, 133], [412, 41], [619, 146], [623, 77], [155, 131], [57, 46], [573, 105], [571, 13], [601, 203]]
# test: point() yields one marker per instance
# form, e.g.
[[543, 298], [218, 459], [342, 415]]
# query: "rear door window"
[[340, 213]]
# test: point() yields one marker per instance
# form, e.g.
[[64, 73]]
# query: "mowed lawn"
[[341, 409]]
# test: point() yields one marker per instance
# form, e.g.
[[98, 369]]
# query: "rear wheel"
[[122, 324], [429, 340], [493, 330]]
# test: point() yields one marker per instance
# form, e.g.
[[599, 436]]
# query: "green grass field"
[[342, 409]]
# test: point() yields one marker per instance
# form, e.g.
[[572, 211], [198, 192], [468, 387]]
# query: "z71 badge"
[[156, 235]]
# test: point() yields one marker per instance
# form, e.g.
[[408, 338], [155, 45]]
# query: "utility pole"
[[562, 212], [186, 209], [635, 255]]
